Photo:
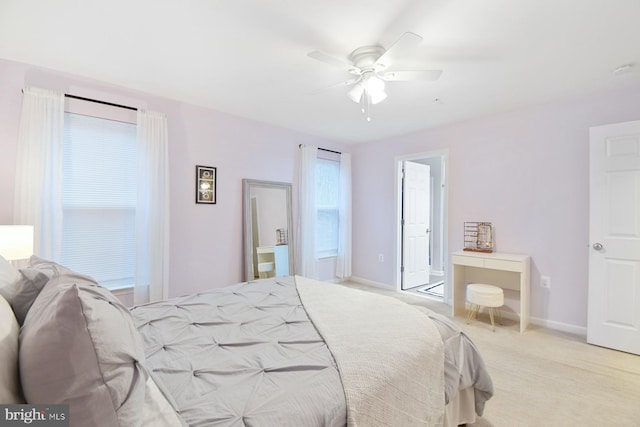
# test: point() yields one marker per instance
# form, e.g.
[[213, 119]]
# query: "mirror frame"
[[247, 185]]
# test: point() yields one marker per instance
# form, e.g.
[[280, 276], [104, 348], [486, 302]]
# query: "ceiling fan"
[[373, 66]]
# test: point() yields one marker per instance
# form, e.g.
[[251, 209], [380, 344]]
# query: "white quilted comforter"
[[389, 354]]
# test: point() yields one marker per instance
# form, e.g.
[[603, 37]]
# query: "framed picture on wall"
[[205, 185]]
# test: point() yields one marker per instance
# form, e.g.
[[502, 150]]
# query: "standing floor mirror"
[[268, 223]]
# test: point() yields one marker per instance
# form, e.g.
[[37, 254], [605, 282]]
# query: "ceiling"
[[249, 57]]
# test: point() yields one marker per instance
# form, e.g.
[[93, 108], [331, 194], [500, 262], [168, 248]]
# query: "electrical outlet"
[[545, 282], [380, 257]]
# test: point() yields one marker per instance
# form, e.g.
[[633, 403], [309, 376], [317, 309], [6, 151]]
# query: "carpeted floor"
[[547, 378]]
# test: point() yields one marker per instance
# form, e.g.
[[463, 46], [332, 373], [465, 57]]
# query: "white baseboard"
[[549, 324], [437, 273], [559, 326], [371, 283]]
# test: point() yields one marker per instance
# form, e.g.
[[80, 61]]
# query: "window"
[[99, 199], [327, 204]]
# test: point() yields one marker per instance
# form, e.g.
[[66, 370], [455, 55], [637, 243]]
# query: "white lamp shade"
[[355, 93], [16, 241], [374, 87], [374, 84], [377, 97]]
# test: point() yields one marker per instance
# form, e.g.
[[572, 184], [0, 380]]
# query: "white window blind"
[[327, 203], [99, 199]]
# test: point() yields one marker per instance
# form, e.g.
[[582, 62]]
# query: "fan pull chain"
[[366, 106]]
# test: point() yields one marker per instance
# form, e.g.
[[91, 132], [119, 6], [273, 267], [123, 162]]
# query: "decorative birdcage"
[[478, 237]]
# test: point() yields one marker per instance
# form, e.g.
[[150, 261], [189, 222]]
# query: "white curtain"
[[343, 261], [307, 216], [152, 211], [38, 185]]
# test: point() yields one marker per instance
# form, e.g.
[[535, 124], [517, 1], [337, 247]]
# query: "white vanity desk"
[[508, 271]]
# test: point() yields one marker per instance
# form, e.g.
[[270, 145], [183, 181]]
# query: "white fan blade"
[[344, 83], [338, 85], [328, 59], [406, 41], [407, 75]]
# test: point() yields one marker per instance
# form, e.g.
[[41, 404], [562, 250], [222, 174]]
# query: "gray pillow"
[[20, 288], [78, 346], [27, 290], [9, 329], [23, 292]]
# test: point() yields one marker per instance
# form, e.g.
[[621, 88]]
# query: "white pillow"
[[9, 275], [157, 411], [9, 378]]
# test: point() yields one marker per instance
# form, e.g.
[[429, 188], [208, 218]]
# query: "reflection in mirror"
[[268, 241]]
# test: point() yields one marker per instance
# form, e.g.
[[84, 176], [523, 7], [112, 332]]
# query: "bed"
[[286, 351]]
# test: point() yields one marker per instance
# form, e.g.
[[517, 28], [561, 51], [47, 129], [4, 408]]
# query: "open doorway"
[[421, 218]]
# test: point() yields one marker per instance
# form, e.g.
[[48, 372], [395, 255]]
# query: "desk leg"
[[459, 291]]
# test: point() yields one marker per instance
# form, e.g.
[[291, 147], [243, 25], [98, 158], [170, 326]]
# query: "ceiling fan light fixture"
[[356, 92], [374, 88], [377, 97], [374, 84]]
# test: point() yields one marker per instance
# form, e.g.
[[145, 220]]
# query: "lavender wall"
[[206, 240], [526, 171]]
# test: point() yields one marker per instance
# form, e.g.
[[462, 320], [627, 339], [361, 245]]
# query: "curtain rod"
[[324, 149], [97, 101], [81, 98]]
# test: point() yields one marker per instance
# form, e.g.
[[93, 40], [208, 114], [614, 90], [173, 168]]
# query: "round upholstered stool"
[[481, 295]]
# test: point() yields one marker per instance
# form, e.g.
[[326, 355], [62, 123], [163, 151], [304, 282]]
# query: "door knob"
[[597, 246]]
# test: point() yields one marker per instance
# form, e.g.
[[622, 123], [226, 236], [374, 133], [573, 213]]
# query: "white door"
[[614, 236], [415, 215]]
